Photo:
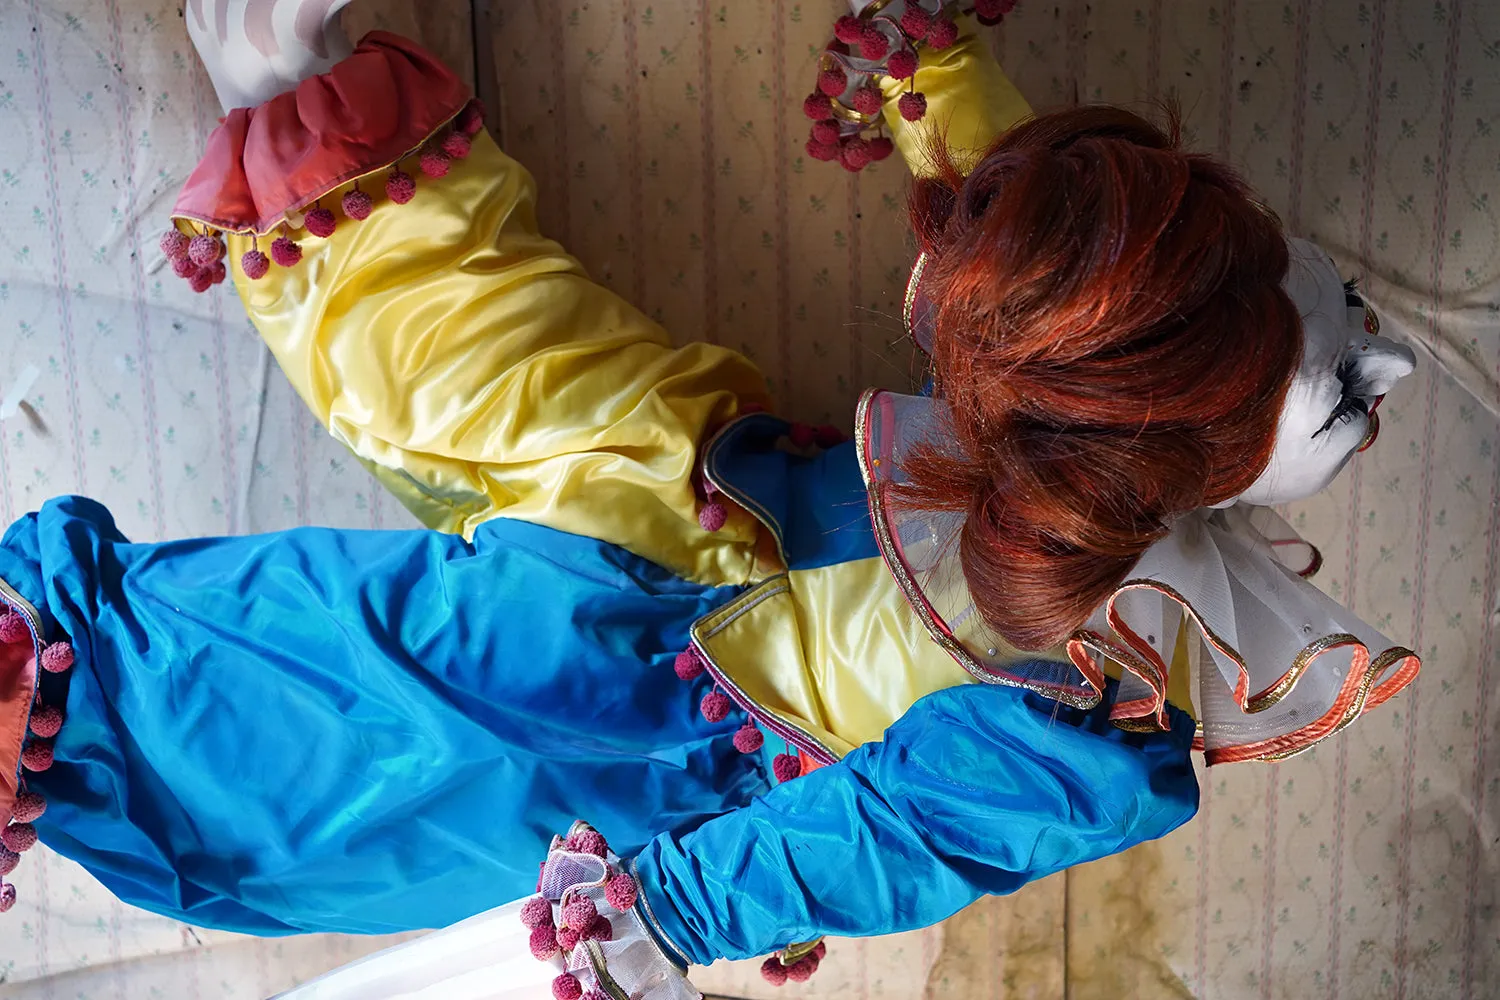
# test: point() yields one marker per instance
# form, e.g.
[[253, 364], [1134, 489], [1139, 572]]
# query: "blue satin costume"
[[323, 730]]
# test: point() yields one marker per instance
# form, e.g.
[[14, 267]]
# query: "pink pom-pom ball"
[[205, 250], [594, 995], [854, 154], [37, 756], [567, 987], [601, 929], [916, 22], [400, 187], [217, 272], [990, 12], [285, 252], [202, 279], [7, 897], [19, 837], [590, 842], [873, 45], [471, 119], [28, 808], [821, 950], [815, 106], [832, 81], [688, 665], [435, 163], [184, 267], [712, 516], [801, 970], [255, 264], [748, 738], [715, 706], [826, 132], [620, 892], [320, 222], [786, 767], [13, 628], [880, 147], [801, 435], [913, 105], [174, 244], [543, 943], [357, 205], [943, 34], [848, 29], [47, 721], [773, 972], [867, 101], [8, 860], [567, 938], [457, 145], [901, 64], [579, 913], [536, 912], [821, 151]]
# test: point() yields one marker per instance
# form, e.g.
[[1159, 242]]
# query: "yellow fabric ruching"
[[474, 367], [970, 102]]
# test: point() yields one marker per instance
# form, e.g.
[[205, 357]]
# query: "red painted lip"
[[1374, 431]]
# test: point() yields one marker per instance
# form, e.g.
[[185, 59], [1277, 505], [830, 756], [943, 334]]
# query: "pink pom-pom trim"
[[435, 163], [620, 892], [400, 187], [57, 657], [543, 943], [748, 739], [832, 81], [202, 280], [285, 252], [8, 860], [567, 938], [13, 628], [943, 34], [801, 970], [357, 205], [589, 842], [816, 106], [183, 267], [255, 264], [37, 756], [820, 951], [579, 913], [19, 837], [712, 516], [567, 987], [902, 64], [821, 151], [773, 972], [916, 22], [688, 665], [320, 222], [174, 244], [600, 930], [457, 145], [715, 706], [826, 132], [913, 106], [7, 897], [28, 808], [205, 250], [536, 912], [848, 29], [786, 767], [867, 101], [46, 721], [471, 119]]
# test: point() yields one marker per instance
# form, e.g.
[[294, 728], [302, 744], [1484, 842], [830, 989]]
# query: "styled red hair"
[[1113, 339]]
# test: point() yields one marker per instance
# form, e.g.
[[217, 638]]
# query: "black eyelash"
[[1352, 401], [1352, 298]]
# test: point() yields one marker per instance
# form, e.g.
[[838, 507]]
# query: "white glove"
[[585, 922], [256, 49]]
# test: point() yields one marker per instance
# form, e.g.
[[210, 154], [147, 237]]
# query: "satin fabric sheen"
[[369, 732]]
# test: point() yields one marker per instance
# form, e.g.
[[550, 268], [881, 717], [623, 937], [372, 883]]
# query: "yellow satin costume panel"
[[474, 367]]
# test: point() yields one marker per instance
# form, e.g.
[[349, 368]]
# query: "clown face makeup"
[[1347, 368]]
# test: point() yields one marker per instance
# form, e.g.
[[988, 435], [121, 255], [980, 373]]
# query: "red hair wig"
[[1115, 345]]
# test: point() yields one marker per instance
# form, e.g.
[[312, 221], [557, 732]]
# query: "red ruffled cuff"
[[372, 109]]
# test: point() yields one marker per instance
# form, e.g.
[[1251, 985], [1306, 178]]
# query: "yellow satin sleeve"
[[471, 364], [970, 102]]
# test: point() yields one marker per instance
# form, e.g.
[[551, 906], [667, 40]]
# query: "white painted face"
[[1346, 370]]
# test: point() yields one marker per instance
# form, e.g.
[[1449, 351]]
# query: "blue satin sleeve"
[[976, 790]]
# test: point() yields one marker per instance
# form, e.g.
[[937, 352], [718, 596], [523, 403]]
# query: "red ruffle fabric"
[[370, 110]]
